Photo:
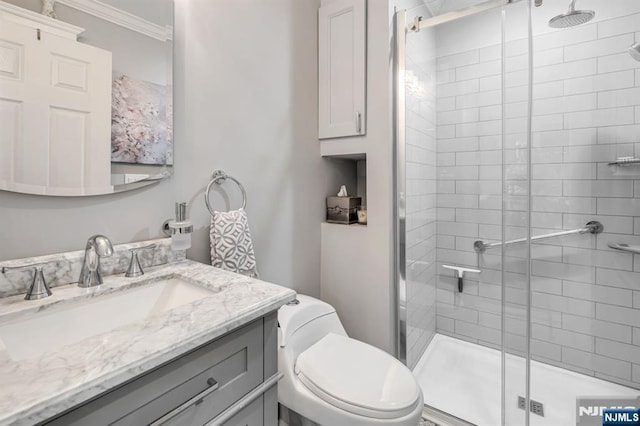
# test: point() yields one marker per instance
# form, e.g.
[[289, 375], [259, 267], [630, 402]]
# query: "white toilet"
[[334, 380]]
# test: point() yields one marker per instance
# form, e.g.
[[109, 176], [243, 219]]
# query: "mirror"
[[86, 102]]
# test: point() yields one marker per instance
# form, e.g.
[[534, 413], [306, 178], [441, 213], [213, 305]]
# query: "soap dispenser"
[[181, 229]]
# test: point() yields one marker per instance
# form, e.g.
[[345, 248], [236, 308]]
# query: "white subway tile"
[[563, 337], [458, 88], [546, 155], [595, 48], [458, 60], [493, 82], [617, 278], [575, 35], [548, 220], [490, 142], [543, 123], [480, 128], [458, 172], [458, 116], [581, 205], [599, 83], [467, 159], [444, 324], [596, 293], [457, 200], [563, 304], [600, 363], [446, 132], [493, 112], [542, 350], [609, 188], [564, 71], [542, 58], [491, 217], [516, 63], [619, 206], [516, 79], [599, 118], [578, 171], [446, 159], [617, 62], [565, 137], [476, 331], [621, 25], [548, 90], [618, 134], [615, 224], [562, 104], [563, 271], [445, 187], [446, 104], [605, 329], [446, 241], [517, 47], [596, 153], [617, 350], [446, 76], [546, 285], [517, 109], [457, 145], [482, 69], [471, 100], [490, 53]]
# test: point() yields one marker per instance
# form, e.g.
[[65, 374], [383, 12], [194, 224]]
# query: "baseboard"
[[440, 418]]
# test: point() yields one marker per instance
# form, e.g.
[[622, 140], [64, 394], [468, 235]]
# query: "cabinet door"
[[342, 68]]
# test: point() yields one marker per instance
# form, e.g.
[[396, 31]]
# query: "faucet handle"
[[39, 288], [135, 268]]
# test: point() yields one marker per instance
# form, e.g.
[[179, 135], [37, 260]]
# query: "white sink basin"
[[73, 321]]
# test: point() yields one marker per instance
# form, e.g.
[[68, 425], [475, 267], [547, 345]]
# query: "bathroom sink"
[[72, 321]]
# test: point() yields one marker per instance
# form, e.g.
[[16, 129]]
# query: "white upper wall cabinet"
[[55, 111], [342, 68]]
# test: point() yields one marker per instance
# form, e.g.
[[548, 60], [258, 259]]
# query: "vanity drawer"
[[234, 362]]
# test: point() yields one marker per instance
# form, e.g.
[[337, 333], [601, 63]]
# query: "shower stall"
[[517, 154]]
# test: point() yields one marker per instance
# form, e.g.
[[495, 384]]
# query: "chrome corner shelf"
[[625, 247], [625, 161]]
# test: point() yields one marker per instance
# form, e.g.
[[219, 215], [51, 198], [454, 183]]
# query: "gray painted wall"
[[245, 102]]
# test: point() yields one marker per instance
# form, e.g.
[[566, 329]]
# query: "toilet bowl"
[[334, 380]]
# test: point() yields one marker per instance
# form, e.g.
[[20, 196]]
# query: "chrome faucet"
[[97, 246]]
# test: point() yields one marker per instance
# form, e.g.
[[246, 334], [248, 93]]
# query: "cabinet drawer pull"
[[243, 402], [213, 386], [359, 122]]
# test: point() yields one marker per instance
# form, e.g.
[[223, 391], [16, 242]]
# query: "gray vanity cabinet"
[[229, 381]]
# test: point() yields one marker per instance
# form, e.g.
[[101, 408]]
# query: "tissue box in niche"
[[342, 209]]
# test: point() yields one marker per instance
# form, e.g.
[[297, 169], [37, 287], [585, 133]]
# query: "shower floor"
[[463, 379]]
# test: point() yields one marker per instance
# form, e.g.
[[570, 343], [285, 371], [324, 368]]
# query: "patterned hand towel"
[[231, 244]]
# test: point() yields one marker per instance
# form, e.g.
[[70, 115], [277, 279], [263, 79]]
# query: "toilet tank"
[[302, 324]]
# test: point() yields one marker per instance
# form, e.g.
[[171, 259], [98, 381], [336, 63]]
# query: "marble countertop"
[[38, 388]]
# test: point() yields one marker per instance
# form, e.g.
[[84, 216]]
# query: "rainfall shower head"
[[572, 18], [634, 51]]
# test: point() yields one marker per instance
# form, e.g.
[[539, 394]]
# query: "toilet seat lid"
[[358, 378]]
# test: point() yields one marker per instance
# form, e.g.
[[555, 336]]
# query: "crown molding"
[[37, 21], [121, 18]]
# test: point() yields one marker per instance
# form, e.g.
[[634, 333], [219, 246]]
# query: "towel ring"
[[218, 178]]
